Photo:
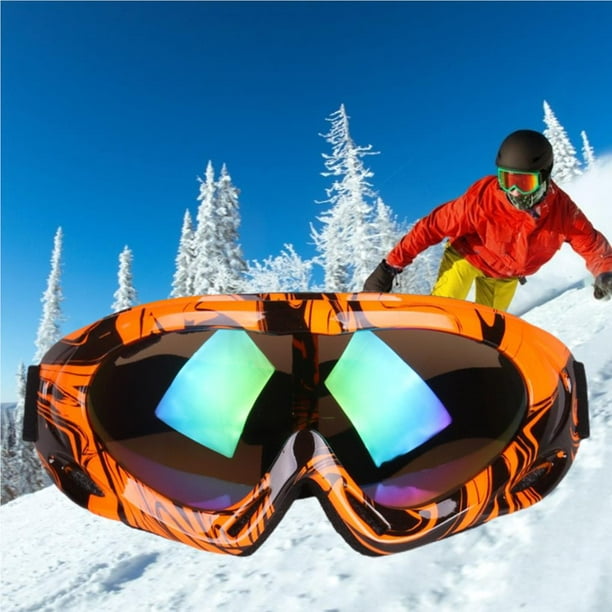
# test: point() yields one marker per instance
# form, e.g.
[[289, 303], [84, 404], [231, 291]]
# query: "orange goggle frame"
[[504, 403]]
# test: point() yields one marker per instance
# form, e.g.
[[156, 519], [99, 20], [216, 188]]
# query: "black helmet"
[[526, 150]]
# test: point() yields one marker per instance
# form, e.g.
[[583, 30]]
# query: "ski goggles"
[[410, 418], [525, 182]]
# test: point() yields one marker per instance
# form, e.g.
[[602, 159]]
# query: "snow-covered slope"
[[591, 191], [554, 556]]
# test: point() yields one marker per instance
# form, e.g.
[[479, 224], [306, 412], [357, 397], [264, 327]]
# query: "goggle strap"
[[30, 411], [583, 428]]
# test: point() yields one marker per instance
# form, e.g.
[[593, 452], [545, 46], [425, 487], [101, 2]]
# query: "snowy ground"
[[554, 556]]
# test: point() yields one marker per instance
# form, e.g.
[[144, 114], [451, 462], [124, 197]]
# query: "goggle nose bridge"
[[290, 471]]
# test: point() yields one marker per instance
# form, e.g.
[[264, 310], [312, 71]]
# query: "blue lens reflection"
[[211, 397], [391, 407]]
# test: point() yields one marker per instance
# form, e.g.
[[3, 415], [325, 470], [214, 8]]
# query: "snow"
[[591, 192], [556, 555]]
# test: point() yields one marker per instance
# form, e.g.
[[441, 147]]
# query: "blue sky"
[[111, 110]]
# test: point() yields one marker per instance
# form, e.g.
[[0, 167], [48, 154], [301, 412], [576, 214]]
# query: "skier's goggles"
[[525, 182], [410, 418]]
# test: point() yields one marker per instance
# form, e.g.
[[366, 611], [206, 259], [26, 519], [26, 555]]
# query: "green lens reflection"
[[389, 404], [212, 395]]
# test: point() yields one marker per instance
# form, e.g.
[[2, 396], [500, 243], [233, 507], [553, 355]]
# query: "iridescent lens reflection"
[[391, 407], [211, 397]]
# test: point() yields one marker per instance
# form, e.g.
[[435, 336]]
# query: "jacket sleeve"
[[587, 241], [448, 220]]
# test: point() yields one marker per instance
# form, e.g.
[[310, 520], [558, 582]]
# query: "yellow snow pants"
[[456, 276]]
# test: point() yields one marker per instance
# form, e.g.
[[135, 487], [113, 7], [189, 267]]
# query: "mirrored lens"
[[463, 398], [197, 416], [525, 182], [411, 412], [225, 375], [200, 416]]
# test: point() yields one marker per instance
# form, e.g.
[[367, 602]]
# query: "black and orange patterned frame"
[[528, 468]]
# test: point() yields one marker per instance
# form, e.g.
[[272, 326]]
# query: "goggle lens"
[[443, 432], [525, 182], [201, 416], [226, 375], [391, 419]]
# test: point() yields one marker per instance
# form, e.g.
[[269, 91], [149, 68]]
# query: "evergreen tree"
[[182, 282], [386, 231], [419, 277], [49, 327], [566, 165], [344, 243], [286, 272], [22, 471], [10, 451], [125, 296], [218, 265], [588, 154], [231, 273], [9, 457], [19, 406], [207, 259]]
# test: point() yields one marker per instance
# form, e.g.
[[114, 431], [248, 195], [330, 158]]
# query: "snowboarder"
[[501, 230]]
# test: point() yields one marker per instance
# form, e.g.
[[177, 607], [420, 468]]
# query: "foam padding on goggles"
[[410, 418]]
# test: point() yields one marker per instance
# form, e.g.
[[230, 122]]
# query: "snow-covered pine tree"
[[419, 277], [218, 265], [345, 243], [207, 259], [10, 451], [566, 165], [22, 472], [8, 463], [49, 327], [286, 272], [20, 404], [386, 231], [588, 154], [230, 276], [9, 457], [182, 282], [31, 476], [125, 295]]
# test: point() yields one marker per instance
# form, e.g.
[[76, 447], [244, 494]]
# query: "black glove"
[[603, 286], [381, 280]]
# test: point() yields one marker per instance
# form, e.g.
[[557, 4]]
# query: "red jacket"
[[501, 240]]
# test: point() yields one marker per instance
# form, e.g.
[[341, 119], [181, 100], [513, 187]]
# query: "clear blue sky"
[[110, 111]]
